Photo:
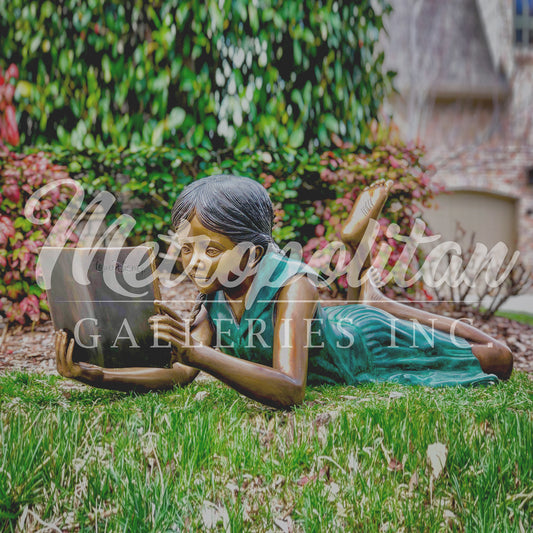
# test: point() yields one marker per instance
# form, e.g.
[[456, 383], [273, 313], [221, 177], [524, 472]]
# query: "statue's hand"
[[180, 355], [67, 368], [170, 328]]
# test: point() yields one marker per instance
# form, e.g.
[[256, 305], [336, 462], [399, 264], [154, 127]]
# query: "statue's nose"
[[198, 263]]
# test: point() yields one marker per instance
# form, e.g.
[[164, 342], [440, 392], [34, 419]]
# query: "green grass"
[[524, 318], [99, 460]]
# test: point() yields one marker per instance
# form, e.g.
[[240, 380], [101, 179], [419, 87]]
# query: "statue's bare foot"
[[367, 206], [370, 293]]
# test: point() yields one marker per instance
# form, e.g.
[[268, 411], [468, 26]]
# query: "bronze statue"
[[259, 327]]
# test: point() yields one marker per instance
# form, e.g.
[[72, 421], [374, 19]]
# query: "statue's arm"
[[133, 378], [281, 385], [144, 379]]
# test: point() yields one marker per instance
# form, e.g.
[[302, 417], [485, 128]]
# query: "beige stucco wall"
[[475, 211]]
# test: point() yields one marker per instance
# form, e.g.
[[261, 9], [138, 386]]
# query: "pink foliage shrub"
[[21, 299], [8, 123], [348, 174]]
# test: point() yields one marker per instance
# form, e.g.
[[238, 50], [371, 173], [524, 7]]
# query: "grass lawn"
[[353, 459], [524, 318]]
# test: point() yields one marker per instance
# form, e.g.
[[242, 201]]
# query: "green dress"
[[348, 344]]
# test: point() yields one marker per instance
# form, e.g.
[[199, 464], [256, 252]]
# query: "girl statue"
[[259, 327]]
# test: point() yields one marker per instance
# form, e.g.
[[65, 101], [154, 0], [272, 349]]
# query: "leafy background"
[[201, 73], [139, 99]]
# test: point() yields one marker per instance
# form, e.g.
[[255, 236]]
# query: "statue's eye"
[[186, 249], [212, 252]]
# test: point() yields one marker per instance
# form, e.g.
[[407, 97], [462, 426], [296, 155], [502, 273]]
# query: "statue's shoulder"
[[274, 271]]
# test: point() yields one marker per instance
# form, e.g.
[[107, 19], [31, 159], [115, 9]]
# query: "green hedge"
[[311, 194], [239, 72], [147, 180]]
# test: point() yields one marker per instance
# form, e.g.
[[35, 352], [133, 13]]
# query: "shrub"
[[21, 299], [347, 173], [208, 74], [8, 123], [147, 180], [486, 285], [312, 193]]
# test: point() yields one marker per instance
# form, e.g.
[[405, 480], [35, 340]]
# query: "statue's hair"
[[234, 206]]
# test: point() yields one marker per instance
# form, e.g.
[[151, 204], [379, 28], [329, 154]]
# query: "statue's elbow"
[[293, 397]]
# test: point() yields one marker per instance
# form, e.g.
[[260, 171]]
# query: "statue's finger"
[[70, 352], [161, 318], [165, 319], [178, 339], [59, 338], [179, 334], [58, 359], [162, 336], [62, 341], [165, 309], [61, 352]]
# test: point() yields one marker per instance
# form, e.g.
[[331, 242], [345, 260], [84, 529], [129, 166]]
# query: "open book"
[[103, 297]]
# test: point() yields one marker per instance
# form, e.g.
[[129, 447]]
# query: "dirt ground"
[[24, 348]]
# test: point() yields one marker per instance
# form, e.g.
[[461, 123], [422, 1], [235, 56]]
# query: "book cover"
[[103, 298]]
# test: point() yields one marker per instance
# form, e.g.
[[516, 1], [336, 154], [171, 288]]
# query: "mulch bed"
[[32, 349]]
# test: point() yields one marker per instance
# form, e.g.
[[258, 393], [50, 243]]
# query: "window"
[[523, 22], [529, 173]]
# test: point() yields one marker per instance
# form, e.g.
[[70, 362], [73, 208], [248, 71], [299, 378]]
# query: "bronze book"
[[103, 297]]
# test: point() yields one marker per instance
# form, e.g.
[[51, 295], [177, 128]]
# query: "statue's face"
[[211, 260]]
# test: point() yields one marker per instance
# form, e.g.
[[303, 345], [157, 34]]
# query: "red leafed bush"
[[8, 124], [21, 299], [348, 174]]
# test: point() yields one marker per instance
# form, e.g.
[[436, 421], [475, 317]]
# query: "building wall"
[[499, 169], [466, 94], [474, 208]]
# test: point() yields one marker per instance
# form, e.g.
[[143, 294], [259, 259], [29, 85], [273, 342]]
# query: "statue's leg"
[[493, 355], [367, 206]]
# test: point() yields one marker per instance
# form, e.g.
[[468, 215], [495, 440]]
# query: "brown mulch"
[[32, 349]]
